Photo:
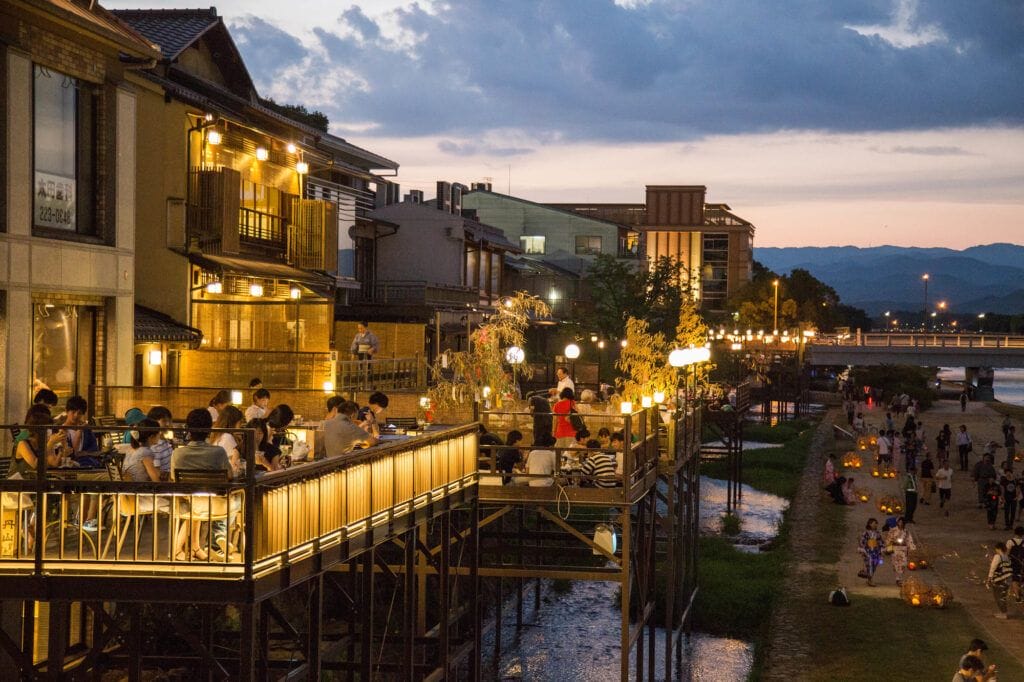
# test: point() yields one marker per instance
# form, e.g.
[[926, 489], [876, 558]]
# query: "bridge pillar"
[[981, 378]]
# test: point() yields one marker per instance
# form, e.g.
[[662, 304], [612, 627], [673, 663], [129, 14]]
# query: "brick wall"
[[397, 339]]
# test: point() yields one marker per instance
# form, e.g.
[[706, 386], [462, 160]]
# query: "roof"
[[550, 207], [260, 268], [155, 327], [100, 22], [527, 265], [172, 29]]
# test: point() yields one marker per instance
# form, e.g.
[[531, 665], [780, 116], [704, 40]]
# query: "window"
[[588, 246], [715, 270], [533, 245], [64, 142]]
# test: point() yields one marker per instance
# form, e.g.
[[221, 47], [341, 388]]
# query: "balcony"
[[268, 224], [417, 294]]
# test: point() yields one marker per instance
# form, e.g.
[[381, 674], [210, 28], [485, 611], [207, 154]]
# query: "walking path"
[[959, 546]]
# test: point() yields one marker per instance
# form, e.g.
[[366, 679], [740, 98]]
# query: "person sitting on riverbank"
[[971, 669], [849, 493], [977, 648]]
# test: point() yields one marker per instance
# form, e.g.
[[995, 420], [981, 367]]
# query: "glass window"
[[533, 245], [588, 245], [62, 348], [64, 128]]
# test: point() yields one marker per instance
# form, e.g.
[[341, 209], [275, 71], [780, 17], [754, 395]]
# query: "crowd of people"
[[151, 446], [904, 446]]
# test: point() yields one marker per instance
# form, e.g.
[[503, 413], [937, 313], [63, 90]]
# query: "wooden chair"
[[203, 507], [131, 510]]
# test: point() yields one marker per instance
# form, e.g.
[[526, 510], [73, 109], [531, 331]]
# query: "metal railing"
[[269, 520], [401, 292]]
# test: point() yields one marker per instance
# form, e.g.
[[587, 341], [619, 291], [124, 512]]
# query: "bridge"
[[978, 353]]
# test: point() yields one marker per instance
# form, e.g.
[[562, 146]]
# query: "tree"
[[464, 376], [311, 117], [621, 290]]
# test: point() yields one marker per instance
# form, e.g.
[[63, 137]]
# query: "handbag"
[[889, 548]]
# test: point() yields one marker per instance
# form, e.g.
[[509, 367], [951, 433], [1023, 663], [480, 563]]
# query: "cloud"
[[475, 149], [650, 71], [937, 150]]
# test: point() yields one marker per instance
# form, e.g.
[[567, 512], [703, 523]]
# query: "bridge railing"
[[919, 340]]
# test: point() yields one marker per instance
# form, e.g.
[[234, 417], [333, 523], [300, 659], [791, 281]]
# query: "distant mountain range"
[[987, 278]]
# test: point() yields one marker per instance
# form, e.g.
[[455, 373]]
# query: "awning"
[[247, 267], [154, 327]]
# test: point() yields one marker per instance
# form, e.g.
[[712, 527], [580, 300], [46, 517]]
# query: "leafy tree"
[[311, 117], [620, 290]]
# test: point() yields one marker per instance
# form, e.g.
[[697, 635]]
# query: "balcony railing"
[[305, 234], [416, 293], [280, 518]]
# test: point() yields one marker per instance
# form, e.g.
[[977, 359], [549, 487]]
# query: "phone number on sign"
[[50, 215]]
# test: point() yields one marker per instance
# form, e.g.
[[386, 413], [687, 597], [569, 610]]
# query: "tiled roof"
[[154, 327], [101, 22], [172, 29]]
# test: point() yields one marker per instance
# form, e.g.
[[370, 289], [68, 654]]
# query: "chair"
[[129, 508], [203, 507]]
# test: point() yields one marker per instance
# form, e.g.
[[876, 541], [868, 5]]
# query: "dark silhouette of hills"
[[984, 278]]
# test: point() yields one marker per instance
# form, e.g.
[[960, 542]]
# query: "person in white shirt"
[[541, 463], [258, 409], [564, 381], [944, 481]]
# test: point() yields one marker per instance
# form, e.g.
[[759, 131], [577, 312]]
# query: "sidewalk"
[[959, 546]]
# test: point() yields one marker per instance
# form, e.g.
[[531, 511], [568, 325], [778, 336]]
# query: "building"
[[68, 161], [431, 263], [714, 244], [248, 218]]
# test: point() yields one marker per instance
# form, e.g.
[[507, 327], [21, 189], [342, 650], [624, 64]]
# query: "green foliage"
[[897, 379], [644, 363], [622, 289], [731, 524], [298, 112], [469, 373], [773, 470]]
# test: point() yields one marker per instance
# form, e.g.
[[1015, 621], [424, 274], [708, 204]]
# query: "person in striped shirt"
[[599, 467]]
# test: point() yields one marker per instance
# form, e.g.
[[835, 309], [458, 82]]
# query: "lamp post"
[[775, 319], [925, 277]]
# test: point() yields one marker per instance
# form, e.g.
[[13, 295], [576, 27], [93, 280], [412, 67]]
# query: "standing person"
[[1015, 552], [964, 445], [963, 401], [884, 450], [363, 348], [902, 542], [942, 442], [1008, 485], [1011, 443], [541, 410], [999, 574], [870, 547], [984, 475], [850, 408], [564, 381], [910, 493], [565, 434], [944, 481], [829, 475], [991, 503], [927, 479]]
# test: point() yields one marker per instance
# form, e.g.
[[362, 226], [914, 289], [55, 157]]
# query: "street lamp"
[[515, 355], [981, 322], [924, 278], [775, 325]]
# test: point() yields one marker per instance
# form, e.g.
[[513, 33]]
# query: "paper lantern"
[[874, 472], [863, 494], [852, 460], [911, 565]]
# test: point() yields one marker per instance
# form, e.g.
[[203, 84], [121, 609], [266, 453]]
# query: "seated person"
[[138, 464], [198, 453], [80, 440], [270, 435], [541, 462], [373, 416], [617, 442], [230, 418], [835, 489], [509, 456], [260, 401], [163, 448], [604, 437], [341, 434], [488, 443], [599, 468]]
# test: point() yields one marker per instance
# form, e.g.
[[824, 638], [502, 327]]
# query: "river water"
[[1008, 384], [575, 636]]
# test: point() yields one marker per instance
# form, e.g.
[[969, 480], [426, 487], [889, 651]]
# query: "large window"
[[64, 142], [533, 245], [63, 348], [715, 271], [588, 246]]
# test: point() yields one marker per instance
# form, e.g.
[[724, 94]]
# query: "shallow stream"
[[575, 636]]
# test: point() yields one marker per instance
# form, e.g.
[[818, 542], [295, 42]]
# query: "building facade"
[[68, 160], [248, 217]]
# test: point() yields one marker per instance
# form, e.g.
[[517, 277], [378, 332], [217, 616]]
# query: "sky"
[[823, 122]]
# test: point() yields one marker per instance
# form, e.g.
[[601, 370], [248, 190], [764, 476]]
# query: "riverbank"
[[879, 636]]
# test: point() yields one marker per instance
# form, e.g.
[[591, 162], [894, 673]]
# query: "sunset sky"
[[823, 122]]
